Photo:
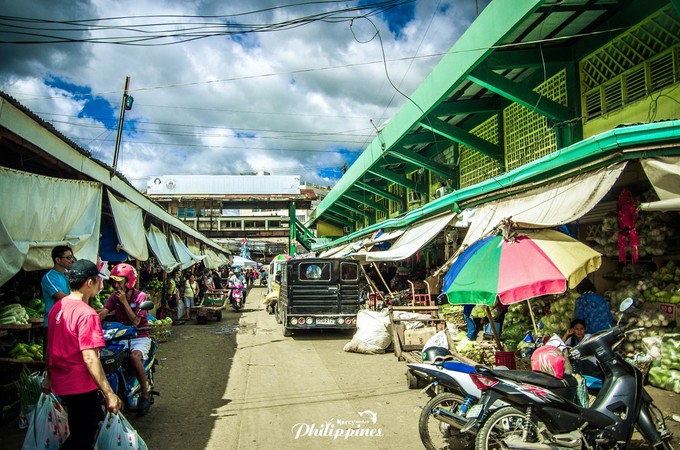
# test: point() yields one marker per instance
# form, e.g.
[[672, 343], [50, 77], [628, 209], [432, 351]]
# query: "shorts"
[[143, 344], [188, 302]]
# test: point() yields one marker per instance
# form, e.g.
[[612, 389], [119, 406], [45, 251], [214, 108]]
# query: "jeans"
[[473, 325]]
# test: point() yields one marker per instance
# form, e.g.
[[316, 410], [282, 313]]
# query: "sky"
[[224, 87]]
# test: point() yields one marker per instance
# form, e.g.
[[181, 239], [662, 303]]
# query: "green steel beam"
[[377, 191], [351, 208], [454, 108], [338, 210], [463, 137], [421, 161], [416, 139], [495, 24], [367, 201], [339, 220], [519, 93], [525, 58], [398, 179], [293, 230]]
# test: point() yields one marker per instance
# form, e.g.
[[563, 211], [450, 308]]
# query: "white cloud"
[[286, 102]]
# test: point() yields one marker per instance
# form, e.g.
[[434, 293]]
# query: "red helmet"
[[550, 360], [126, 271]]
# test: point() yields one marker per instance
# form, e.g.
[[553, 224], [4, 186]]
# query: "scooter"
[[236, 298], [538, 419], [115, 361]]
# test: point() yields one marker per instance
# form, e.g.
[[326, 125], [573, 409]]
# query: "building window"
[[189, 212]]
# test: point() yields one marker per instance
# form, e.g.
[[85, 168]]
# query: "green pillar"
[[293, 230]]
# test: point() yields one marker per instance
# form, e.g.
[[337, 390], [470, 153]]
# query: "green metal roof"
[[510, 48], [624, 143]]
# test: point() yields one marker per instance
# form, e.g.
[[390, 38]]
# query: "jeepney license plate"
[[474, 412], [325, 321]]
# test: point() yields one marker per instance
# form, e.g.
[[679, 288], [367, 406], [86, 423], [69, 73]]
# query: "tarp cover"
[[108, 245], [243, 262], [159, 246], [548, 206], [38, 213], [664, 174], [182, 253], [413, 239], [129, 227], [211, 261]]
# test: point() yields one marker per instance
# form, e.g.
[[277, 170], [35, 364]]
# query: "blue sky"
[[297, 101]]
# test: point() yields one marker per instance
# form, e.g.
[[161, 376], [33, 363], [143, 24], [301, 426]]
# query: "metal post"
[[121, 119]]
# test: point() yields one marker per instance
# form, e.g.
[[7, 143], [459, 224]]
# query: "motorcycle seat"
[[536, 378]]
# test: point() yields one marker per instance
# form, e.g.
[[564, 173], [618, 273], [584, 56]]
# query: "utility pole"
[[125, 105]]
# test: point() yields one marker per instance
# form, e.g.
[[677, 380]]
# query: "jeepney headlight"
[[348, 320], [293, 321], [354, 320], [340, 321], [309, 320], [301, 320]]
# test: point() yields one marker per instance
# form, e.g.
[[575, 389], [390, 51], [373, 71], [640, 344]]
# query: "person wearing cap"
[[125, 301], [74, 371], [54, 283]]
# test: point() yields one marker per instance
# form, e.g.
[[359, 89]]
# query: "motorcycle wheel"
[[665, 445], [500, 425], [436, 434]]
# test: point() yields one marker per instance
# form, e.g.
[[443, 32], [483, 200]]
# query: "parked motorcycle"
[[539, 419], [115, 359]]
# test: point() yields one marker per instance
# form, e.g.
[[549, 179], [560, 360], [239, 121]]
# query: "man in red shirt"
[[74, 371]]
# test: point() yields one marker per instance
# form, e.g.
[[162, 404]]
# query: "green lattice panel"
[[476, 167], [527, 135]]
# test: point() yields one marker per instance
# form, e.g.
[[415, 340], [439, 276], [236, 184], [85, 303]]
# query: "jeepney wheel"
[[287, 332], [277, 313], [218, 316]]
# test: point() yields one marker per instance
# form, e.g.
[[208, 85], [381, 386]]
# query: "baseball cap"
[[84, 268]]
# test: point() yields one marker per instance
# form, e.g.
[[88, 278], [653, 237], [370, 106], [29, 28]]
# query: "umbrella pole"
[[493, 328], [533, 318], [375, 266]]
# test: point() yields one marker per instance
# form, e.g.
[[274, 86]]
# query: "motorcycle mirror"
[[626, 304], [146, 305]]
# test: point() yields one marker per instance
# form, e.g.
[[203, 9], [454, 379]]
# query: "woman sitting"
[[576, 333]]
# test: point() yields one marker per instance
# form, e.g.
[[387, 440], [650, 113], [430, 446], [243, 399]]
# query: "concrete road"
[[306, 392]]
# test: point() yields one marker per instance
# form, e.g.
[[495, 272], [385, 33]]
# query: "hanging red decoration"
[[627, 217]]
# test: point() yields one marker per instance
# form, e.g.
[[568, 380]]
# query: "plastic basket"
[[506, 359]]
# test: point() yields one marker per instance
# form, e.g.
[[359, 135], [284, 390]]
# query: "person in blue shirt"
[[592, 308], [54, 283]]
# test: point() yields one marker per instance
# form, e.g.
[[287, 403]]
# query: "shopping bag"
[[47, 426], [116, 432]]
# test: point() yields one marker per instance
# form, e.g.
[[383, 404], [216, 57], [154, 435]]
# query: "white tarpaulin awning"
[[129, 222], [185, 257], [38, 213], [664, 174], [547, 206], [159, 246], [212, 261], [388, 236], [243, 262], [349, 249], [328, 253], [413, 239]]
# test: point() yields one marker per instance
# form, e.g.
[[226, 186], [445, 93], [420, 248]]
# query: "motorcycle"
[[115, 359], [538, 419], [236, 299], [453, 395]]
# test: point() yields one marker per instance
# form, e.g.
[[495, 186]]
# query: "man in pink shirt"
[[74, 371]]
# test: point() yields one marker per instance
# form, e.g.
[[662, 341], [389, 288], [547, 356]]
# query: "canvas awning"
[[129, 222], [38, 213], [159, 246], [185, 257], [412, 240], [242, 262], [547, 206], [664, 174]]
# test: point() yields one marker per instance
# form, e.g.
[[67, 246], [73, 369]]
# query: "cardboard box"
[[418, 336]]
